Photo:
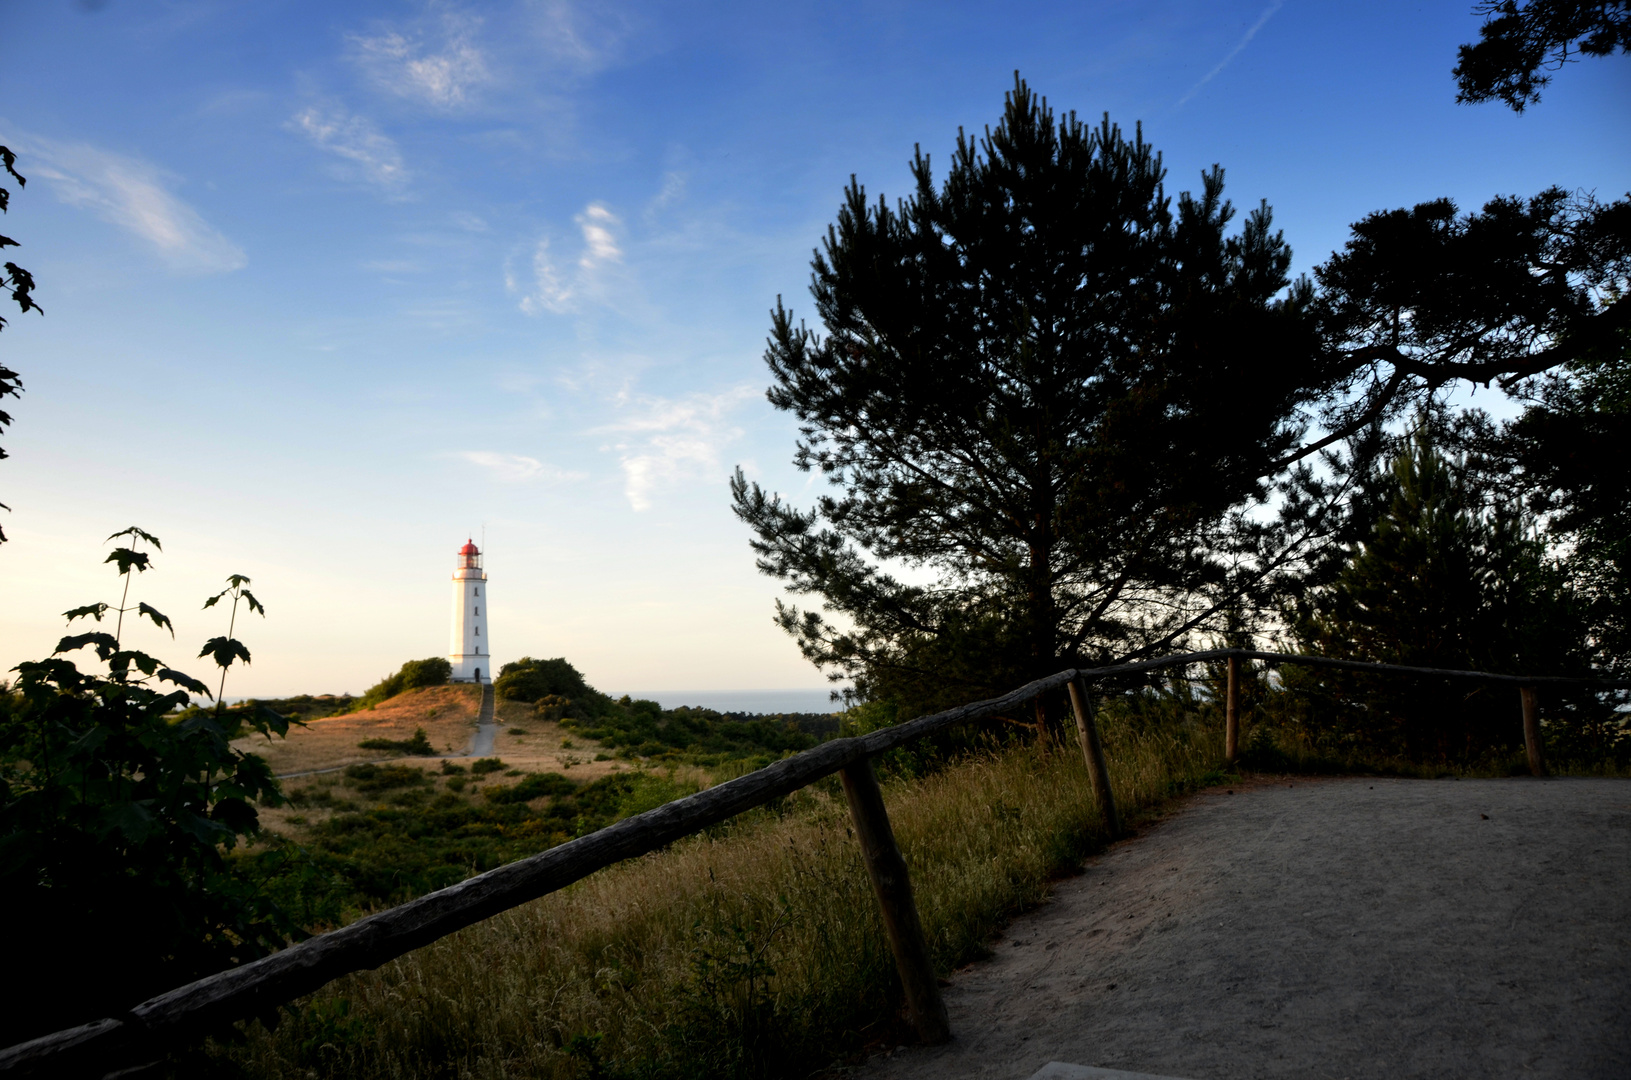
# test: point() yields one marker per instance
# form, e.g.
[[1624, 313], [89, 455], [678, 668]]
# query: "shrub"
[[483, 766], [418, 746], [647, 729], [431, 671], [370, 779], [534, 680], [412, 839], [114, 819], [552, 707], [535, 786]]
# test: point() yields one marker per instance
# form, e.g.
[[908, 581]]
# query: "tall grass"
[[752, 950]]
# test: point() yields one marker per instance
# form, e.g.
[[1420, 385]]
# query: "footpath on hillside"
[[1367, 928]]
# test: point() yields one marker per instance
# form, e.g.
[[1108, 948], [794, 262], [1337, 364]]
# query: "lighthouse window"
[[478, 631], [478, 590]]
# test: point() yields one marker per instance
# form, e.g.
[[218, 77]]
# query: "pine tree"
[[1046, 388], [1443, 581]]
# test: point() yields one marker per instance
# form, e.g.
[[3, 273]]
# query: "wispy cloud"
[[395, 266], [134, 195], [553, 289], [1246, 39], [368, 154], [673, 191], [599, 245], [516, 468], [579, 37], [669, 439], [443, 72]]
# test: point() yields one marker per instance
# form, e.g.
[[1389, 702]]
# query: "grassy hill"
[[367, 825]]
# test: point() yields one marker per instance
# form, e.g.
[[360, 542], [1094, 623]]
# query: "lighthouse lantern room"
[[470, 651]]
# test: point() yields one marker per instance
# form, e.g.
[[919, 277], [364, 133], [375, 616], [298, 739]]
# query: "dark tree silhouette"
[[1422, 297], [1055, 397], [1044, 385], [116, 815], [1520, 43], [1568, 452], [19, 285], [1447, 578]]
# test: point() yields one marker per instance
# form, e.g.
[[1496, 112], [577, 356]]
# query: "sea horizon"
[[812, 700]]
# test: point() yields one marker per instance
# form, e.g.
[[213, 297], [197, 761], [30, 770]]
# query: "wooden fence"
[[259, 987]]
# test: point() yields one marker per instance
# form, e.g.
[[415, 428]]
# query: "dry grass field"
[[316, 753], [752, 949], [533, 745], [448, 716], [447, 713]]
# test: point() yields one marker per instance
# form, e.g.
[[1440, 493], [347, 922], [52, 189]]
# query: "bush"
[[534, 680], [432, 671], [708, 737], [554, 707], [418, 746], [372, 779], [535, 786], [645, 729], [115, 817], [412, 840]]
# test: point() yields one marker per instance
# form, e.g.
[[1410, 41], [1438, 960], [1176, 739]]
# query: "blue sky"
[[331, 287]]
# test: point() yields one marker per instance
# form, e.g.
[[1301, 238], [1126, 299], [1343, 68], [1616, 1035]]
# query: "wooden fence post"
[[1231, 714], [894, 888], [1531, 732], [1093, 754]]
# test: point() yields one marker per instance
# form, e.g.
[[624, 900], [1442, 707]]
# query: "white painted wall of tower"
[[470, 651]]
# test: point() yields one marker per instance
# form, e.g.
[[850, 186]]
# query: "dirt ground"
[[1325, 929]]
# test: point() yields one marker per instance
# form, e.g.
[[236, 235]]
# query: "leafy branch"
[[118, 804], [224, 650], [19, 283]]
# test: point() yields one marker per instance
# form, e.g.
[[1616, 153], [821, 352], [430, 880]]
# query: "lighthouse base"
[[471, 668]]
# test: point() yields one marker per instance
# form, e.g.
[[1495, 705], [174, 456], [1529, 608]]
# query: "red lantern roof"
[[469, 548]]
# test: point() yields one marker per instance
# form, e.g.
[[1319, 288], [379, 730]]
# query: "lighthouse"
[[469, 652]]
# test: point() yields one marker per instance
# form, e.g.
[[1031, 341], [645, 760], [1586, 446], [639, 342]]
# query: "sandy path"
[[481, 743], [1339, 928]]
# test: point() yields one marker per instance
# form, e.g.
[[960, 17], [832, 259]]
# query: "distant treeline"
[[644, 729], [822, 725]]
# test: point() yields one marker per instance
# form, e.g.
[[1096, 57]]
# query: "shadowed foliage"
[[115, 819], [1522, 40], [18, 284], [432, 671]]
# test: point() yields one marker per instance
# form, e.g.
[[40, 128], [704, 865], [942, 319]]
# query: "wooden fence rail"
[[259, 987]]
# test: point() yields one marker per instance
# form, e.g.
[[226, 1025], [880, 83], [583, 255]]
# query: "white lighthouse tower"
[[469, 652]]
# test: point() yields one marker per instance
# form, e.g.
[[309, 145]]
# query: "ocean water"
[[741, 701]]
